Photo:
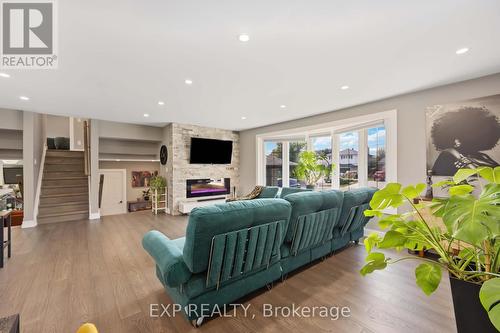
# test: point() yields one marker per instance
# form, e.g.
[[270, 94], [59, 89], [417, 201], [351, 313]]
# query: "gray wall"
[[113, 130], [411, 126], [11, 119], [57, 126], [132, 192]]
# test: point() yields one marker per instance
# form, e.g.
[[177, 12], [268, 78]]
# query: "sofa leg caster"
[[197, 322], [356, 242], [283, 277], [270, 286]]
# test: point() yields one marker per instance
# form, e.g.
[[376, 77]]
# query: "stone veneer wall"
[[181, 170]]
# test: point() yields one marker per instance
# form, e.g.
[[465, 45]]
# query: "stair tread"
[[71, 178], [72, 212], [64, 186], [61, 195], [58, 204]]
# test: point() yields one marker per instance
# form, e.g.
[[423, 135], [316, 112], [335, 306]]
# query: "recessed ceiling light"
[[24, 98], [463, 50], [283, 106], [244, 38], [344, 87], [243, 118], [161, 103], [4, 75], [146, 115], [188, 82]]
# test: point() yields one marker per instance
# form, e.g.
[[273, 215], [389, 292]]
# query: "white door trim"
[[124, 176]]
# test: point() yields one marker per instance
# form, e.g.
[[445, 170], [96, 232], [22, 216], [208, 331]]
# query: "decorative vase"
[[310, 187], [470, 315]]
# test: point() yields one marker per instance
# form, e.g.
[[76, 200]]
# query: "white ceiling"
[[118, 58]]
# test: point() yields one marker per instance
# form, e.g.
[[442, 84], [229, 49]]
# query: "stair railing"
[[86, 147]]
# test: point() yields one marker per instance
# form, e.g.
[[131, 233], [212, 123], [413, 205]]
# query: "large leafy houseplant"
[[472, 219], [158, 184], [311, 167]]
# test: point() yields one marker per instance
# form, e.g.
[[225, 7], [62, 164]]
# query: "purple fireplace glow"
[[207, 187]]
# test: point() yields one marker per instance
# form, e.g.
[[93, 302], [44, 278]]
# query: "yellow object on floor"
[[87, 328]]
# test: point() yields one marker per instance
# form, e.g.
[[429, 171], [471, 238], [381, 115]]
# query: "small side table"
[[6, 218]]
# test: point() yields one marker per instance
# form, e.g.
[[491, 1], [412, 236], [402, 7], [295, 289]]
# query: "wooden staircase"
[[64, 194]]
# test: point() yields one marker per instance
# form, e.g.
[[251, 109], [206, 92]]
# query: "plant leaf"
[[428, 277], [392, 239], [371, 241], [491, 175], [389, 196], [489, 295], [461, 189], [412, 192], [375, 261], [463, 174], [474, 220]]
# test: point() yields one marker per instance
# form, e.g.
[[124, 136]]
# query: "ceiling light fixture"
[[161, 103], [146, 115], [463, 50], [5, 75], [283, 106], [243, 118], [24, 98], [188, 82], [344, 87], [244, 38]]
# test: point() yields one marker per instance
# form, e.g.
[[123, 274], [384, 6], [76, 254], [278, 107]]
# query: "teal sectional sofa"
[[234, 248], [272, 192]]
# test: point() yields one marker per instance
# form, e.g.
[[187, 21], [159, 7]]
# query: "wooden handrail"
[[86, 147]]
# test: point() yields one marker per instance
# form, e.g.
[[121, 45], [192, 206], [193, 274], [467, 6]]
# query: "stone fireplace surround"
[[177, 138]]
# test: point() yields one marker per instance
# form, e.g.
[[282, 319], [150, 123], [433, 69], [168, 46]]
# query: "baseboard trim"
[[28, 224], [94, 216]]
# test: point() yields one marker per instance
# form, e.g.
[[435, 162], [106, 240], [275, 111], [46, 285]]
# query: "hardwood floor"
[[63, 274]]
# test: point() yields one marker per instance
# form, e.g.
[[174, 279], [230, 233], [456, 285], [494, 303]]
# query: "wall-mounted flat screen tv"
[[210, 151]]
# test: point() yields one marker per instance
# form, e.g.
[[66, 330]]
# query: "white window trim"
[[389, 118]]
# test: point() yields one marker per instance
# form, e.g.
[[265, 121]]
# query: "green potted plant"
[[310, 169], [157, 185], [472, 219]]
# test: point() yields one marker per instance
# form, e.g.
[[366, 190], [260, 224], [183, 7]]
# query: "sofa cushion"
[[268, 192], [207, 222], [168, 257], [291, 190], [355, 202], [305, 203]]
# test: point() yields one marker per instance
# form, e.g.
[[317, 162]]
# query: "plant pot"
[[146, 198], [470, 315], [310, 187]]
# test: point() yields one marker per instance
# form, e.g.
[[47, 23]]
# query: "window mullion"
[[285, 171], [363, 158]]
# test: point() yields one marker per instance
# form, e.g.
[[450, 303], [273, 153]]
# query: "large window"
[[376, 156], [294, 150], [322, 146], [358, 153], [274, 163], [348, 159]]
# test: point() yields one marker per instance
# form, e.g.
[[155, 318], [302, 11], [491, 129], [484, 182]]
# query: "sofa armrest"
[[168, 258]]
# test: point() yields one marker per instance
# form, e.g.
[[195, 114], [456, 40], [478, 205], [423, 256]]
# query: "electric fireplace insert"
[[207, 187]]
